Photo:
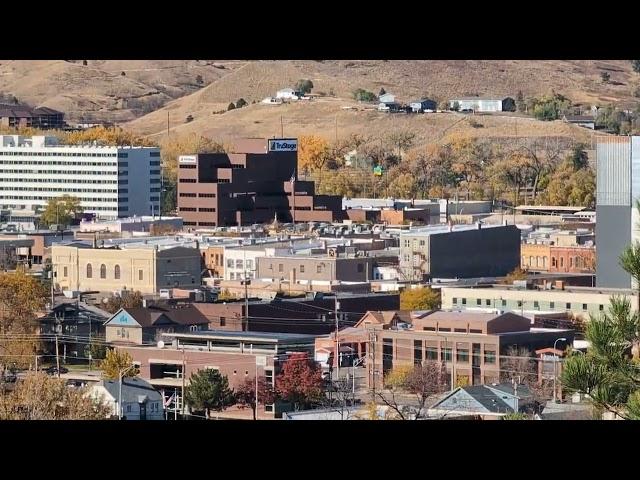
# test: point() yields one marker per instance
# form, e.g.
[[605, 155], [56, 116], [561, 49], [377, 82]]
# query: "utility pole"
[[281, 128], [337, 306], [57, 353], [183, 379], [167, 123]]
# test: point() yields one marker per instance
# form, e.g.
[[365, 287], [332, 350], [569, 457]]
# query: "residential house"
[[421, 106], [486, 402], [140, 400], [586, 121], [146, 325], [288, 94], [484, 104]]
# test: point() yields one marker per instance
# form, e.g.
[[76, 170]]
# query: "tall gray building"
[[617, 189], [459, 251]]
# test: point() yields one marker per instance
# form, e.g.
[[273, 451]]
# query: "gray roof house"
[[140, 401], [485, 401]]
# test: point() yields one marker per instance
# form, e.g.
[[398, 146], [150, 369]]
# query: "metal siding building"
[[617, 189], [465, 251]]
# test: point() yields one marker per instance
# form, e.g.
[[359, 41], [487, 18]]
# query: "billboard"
[[283, 145], [187, 159]]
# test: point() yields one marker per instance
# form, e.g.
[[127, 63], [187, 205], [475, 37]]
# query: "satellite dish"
[[160, 344]]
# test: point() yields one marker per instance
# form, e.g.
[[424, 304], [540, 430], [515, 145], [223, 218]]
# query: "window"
[[519, 303], [431, 353], [446, 354], [417, 352], [229, 263], [460, 330], [140, 275], [280, 268], [444, 329], [429, 329], [464, 301], [552, 305], [490, 356], [128, 408], [487, 302], [554, 263], [570, 261], [536, 304], [249, 264], [360, 268], [239, 264], [561, 261], [474, 330], [103, 271], [64, 274], [462, 355], [478, 301], [301, 268], [89, 271], [246, 373], [268, 377], [319, 269], [584, 306], [601, 307], [568, 306], [504, 303], [223, 321], [455, 300], [116, 272]]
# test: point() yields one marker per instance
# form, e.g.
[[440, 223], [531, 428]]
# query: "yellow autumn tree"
[[175, 145], [313, 152], [22, 297], [424, 298], [106, 136], [115, 362]]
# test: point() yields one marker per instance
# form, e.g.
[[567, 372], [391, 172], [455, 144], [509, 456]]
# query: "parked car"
[[54, 370]]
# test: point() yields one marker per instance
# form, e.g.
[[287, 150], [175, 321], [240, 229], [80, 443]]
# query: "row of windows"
[[10, 153], [535, 303], [239, 264], [68, 189], [62, 172], [199, 224], [407, 243], [36, 197], [53, 162], [103, 272], [154, 172], [194, 195], [188, 167], [241, 276], [59, 180], [541, 262]]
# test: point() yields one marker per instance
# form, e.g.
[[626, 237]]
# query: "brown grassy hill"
[[99, 91], [254, 80]]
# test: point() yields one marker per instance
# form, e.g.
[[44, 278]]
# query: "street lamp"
[[555, 367], [120, 375]]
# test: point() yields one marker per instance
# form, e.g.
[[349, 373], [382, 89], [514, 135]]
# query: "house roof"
[[579, 118], [133, 390], [385, 317], [490, 397], [154, 315], [484, 99]]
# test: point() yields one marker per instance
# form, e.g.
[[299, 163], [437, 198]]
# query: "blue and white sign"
[[283, 145]]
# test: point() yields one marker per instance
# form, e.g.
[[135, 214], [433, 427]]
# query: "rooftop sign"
[[283, 145]]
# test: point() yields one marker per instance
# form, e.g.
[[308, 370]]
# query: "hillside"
[[152, 90], [578, 80], [98, 91]]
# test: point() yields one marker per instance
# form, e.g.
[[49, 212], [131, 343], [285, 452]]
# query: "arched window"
[[116, 272], [89, 271], [553, 262], [103, 271], [562, 261], [538, 262], [544, 262], [531, 261]]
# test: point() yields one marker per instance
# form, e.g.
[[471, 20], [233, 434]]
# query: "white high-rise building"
[[111, 182]]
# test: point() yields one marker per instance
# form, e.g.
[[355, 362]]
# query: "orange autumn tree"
[[313, 152]]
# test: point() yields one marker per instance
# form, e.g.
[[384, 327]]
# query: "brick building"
[[251, 184]]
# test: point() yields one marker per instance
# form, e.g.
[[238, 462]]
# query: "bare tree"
[[409, 388], [543, 155]]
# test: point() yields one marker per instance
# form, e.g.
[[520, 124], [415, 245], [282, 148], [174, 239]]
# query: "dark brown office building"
[[250, 185]]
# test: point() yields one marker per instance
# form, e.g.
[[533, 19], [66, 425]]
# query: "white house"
[[288, 94], [140, 401], [484, 104], [387, 98]]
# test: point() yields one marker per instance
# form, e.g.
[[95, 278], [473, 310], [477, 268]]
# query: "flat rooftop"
[[439, 229], [257, 336], [571, 289]]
